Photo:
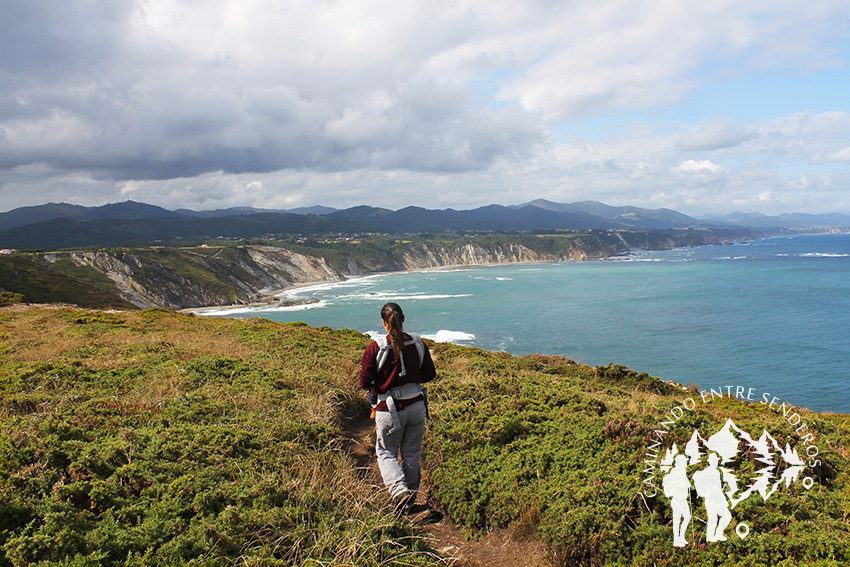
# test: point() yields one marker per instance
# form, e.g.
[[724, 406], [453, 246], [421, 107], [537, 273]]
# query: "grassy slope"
[[150, 437], [153, 438], [550, 447], [40, 282], [63, 280]]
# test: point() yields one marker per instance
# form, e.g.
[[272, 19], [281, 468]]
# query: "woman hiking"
[[394, 368]]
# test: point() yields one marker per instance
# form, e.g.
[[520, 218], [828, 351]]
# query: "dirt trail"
[[495, 549]]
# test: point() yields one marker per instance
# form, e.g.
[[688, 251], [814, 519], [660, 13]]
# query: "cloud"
[[691, 166], [227, 103], [606, 57], [597, 57], [172, 91], [713, 135], [842, 155]]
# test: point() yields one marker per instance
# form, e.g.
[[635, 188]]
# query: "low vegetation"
[[151, 438], [36, 280], [8, 298], [557, 450], [148, 437]]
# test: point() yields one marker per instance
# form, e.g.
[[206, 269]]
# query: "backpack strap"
[[384, 352]]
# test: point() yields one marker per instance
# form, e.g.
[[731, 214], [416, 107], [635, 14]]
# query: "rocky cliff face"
[[123, 272], [185, 279], [425, 256], [422, 256]]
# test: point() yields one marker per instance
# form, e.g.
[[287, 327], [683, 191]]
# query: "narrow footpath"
[[494, 549]]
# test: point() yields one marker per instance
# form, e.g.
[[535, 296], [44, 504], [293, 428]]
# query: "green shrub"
[[545, 446], [9, 298]]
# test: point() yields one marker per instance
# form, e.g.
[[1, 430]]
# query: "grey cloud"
[[163, 126], [57, 40]]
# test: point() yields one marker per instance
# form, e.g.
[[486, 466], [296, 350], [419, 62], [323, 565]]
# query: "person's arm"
[[369, 367], [427, 371]]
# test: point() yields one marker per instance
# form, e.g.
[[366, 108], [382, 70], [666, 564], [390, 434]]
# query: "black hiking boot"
[[402, 503]]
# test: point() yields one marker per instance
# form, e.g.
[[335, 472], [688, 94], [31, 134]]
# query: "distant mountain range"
[[61, 225]]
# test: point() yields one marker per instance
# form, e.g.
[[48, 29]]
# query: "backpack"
[[386, 350], [382, 357]]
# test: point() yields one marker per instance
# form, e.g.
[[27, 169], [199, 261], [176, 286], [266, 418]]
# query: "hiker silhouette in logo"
[[676, 487], [709, 485], [394, 366]]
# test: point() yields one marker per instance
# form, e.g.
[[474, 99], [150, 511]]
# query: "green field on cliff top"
[[153, 438]]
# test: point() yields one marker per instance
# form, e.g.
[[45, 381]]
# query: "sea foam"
[[441, 336], [446, 336], [228, 311], [395, 296]]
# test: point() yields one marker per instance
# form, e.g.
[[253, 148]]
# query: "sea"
[[771, 316]]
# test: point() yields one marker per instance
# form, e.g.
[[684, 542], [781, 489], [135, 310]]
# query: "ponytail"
[[394, 318]]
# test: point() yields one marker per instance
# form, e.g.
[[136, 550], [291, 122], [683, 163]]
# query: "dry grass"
[[38, 335], [34, 335]]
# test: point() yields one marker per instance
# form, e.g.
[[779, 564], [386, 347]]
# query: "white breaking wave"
[[301, 306], [441, 336], [824, 255], [446, 336], [395, 296], [259, 309], [442, 271], [505, 279], [310, 289], [222, 312]]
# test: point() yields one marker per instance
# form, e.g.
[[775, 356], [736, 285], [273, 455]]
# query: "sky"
[[701, 107]]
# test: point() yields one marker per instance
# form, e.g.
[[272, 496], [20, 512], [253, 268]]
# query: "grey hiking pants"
[[404, 442]]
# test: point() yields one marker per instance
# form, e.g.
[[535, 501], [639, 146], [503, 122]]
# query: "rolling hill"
[[63, 226]]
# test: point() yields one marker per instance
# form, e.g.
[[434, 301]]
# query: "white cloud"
[[692, 165], [841, 155], [713, 135]]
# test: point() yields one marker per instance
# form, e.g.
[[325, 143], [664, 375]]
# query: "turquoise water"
[[773, 314]]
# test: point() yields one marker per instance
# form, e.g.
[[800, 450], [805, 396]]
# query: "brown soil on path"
[[497, 548]]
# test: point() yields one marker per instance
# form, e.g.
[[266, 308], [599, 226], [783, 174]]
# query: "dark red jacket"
[[387, 377]]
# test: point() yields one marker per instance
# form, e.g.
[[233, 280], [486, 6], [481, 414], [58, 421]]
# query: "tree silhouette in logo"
[[717, 484]]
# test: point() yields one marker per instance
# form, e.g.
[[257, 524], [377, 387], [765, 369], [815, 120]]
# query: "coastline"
[[267, 299], [270, 298]]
